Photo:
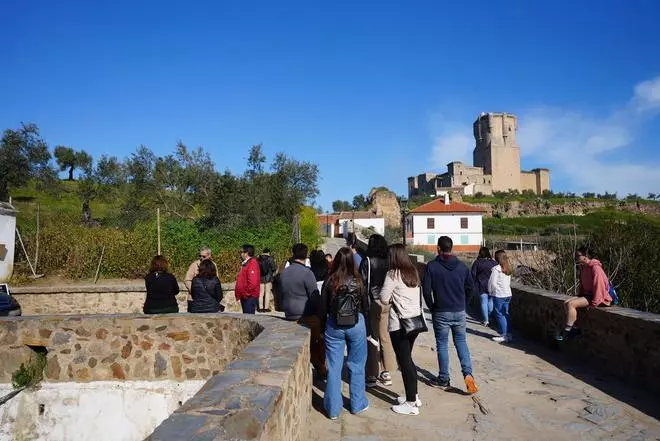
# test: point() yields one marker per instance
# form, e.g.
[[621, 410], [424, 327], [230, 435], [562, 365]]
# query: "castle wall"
[[528, 181]]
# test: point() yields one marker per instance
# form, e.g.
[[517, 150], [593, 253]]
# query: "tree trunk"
[[4, 191], [87, 212], [71, 173]]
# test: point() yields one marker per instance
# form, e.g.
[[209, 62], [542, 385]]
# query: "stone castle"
[[496, 167]]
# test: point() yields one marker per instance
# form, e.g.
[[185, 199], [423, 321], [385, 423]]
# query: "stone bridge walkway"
[[528, 392]]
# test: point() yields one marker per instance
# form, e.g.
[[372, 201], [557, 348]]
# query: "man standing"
[[447, 285], [247, 281], [204, 254], [300, 300], [268, 268]]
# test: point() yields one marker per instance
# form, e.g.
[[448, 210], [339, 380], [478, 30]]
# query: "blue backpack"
[[613, 294]]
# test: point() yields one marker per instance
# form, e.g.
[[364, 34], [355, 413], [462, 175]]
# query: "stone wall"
[[99, 299], [263, 394], [620, 341], [125, 347]]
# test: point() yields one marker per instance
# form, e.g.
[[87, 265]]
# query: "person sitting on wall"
[[206, 290], [162, 288], [593, 292], [204, 254]]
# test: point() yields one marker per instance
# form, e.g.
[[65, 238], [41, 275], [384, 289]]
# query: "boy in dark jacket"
[[447, 285]]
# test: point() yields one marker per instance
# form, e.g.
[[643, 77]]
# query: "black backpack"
[[345, 306]]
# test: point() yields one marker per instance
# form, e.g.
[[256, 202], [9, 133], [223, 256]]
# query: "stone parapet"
[[99, 299], [263, 395], [620, 341], [126, 347]]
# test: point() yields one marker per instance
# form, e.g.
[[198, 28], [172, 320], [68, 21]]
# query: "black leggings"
[[403, 346]]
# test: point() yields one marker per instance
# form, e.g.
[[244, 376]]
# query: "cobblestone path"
[[528, 392]]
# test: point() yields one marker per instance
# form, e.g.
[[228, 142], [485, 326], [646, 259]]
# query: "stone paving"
[[528, 392]]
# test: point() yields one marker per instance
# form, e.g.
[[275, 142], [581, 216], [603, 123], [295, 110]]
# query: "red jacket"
[[247, 281], [593, 280]]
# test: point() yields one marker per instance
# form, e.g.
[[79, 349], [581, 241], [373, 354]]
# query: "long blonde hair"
[[503, 260]]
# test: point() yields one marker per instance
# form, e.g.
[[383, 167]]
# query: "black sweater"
[[162, 289]]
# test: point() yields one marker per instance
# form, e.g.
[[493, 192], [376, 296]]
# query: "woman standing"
[[481, 269], [373, 270], [162, 288], [319, 267], [499, 286], [594, 290], [402, 292], [206, 290], [344, 312]]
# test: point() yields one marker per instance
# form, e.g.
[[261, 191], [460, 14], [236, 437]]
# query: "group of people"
[[374, 311], [254, 281], [371, 307]]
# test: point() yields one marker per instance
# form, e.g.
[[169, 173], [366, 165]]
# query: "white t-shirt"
[[499, 284]]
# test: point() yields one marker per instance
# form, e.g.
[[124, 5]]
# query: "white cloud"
[[456, 146], [647, 94], [577, 147]]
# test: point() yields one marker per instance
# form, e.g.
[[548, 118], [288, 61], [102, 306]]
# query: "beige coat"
[[406, 299]]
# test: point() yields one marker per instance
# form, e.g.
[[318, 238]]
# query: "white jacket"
[[406, 299], [499, 284]]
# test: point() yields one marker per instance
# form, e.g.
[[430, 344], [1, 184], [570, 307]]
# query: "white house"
[[441, 217], [361, 219]]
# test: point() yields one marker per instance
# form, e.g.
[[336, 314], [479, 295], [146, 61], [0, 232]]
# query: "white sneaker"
[[406, 409], [402, 400], [499, 339]]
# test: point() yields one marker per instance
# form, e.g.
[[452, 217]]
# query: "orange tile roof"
[[439, 206]]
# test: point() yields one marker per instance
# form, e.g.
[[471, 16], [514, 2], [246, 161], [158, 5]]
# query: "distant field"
[[560, 224]]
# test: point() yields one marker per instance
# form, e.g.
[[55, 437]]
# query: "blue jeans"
[[486, 306], [442, 323], [501, 308], [335, 339], [249, 305]]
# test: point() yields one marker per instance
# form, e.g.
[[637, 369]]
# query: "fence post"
[[158, 227]]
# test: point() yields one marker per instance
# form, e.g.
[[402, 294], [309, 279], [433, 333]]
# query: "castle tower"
[[496, 149]]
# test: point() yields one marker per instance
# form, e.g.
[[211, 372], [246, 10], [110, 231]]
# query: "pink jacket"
[[593, 280]]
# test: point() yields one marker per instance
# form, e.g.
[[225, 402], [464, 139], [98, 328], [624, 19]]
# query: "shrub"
[[29, 374]]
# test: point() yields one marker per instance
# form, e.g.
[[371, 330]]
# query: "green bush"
[[72, 250], [29, 374]]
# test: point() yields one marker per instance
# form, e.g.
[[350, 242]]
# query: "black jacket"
[[328, 291], [379, 267], [206, 294], [267, 267], [162, 289]]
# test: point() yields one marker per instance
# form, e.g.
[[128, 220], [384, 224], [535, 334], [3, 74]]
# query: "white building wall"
[[8, 239], [98, 410], [377, 223], [447, 224]]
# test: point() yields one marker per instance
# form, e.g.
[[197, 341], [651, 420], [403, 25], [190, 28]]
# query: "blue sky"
[[373, 92]]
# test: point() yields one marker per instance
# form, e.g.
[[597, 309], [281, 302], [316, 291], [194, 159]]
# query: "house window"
[[430, 223], [430, 239], [465, 239], [464, 223]]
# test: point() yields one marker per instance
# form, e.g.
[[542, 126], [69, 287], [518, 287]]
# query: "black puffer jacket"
[[379, 267], [328, 292], [206, 294]]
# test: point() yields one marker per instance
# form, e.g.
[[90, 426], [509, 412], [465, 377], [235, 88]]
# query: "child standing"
[[499, 286]]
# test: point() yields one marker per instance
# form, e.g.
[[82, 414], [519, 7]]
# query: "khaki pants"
[[379, 317], [265, 296], [316, 342]]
